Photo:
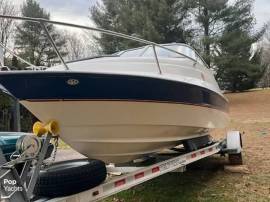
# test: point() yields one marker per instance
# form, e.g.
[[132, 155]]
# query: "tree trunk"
[[206, 36]]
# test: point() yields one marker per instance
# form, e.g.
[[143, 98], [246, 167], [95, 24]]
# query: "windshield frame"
[[166, 47]]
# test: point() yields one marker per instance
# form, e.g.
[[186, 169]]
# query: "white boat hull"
[[119, 131], [118, 109]]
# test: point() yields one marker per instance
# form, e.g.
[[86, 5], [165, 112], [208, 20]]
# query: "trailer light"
[[155, 169], [202, 152], [120, 183], [210, 149], [139, 175], [193, 155]]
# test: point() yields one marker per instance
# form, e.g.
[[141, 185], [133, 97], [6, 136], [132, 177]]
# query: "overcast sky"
[[77, 11]]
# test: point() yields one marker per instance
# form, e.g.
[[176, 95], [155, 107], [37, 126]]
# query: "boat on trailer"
[[127, 105]]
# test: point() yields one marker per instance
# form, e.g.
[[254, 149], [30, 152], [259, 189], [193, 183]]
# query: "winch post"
[[36, 170], [2, 158], [9, 171], [25, 170], [51, 129]]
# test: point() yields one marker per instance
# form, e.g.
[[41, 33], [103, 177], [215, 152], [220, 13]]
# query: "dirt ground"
[[250, 114]]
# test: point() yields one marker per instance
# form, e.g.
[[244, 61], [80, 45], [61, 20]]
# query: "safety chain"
[[50, 161], [56, 143]]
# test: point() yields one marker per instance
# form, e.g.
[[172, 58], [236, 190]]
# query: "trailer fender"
[[234, 142]]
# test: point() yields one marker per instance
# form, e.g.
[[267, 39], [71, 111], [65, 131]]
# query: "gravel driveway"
[[67, 154]]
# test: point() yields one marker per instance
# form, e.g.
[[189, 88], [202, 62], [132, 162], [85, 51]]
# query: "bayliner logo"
[[73, 82]]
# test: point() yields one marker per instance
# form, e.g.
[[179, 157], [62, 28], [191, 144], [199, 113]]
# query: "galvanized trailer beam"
[[37, 167], [138, 176], [2, 158]]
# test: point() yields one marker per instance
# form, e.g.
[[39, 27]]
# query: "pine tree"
[[31, 39], [209, 15], [236, 70], [161, 21]]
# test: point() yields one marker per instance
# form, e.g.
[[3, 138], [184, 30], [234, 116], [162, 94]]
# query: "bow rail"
[[43, 23]]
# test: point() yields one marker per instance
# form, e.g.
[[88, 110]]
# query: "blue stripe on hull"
[[38, 86]]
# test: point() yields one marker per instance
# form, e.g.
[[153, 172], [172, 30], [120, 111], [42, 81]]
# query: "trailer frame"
[[140, 175], [125, 177]]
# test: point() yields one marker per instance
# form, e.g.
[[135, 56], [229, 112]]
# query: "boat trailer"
[[32, 152]]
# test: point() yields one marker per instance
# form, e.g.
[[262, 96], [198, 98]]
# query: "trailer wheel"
[[70, 177]]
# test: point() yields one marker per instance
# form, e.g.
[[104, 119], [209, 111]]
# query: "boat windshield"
[[147, 51]]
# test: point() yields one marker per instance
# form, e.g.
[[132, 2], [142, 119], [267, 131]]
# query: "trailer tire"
[[70, 177]]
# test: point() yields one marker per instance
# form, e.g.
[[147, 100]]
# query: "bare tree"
[[75, 47], [80, 45], [265, 47], [6, 25], [92, 46]]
